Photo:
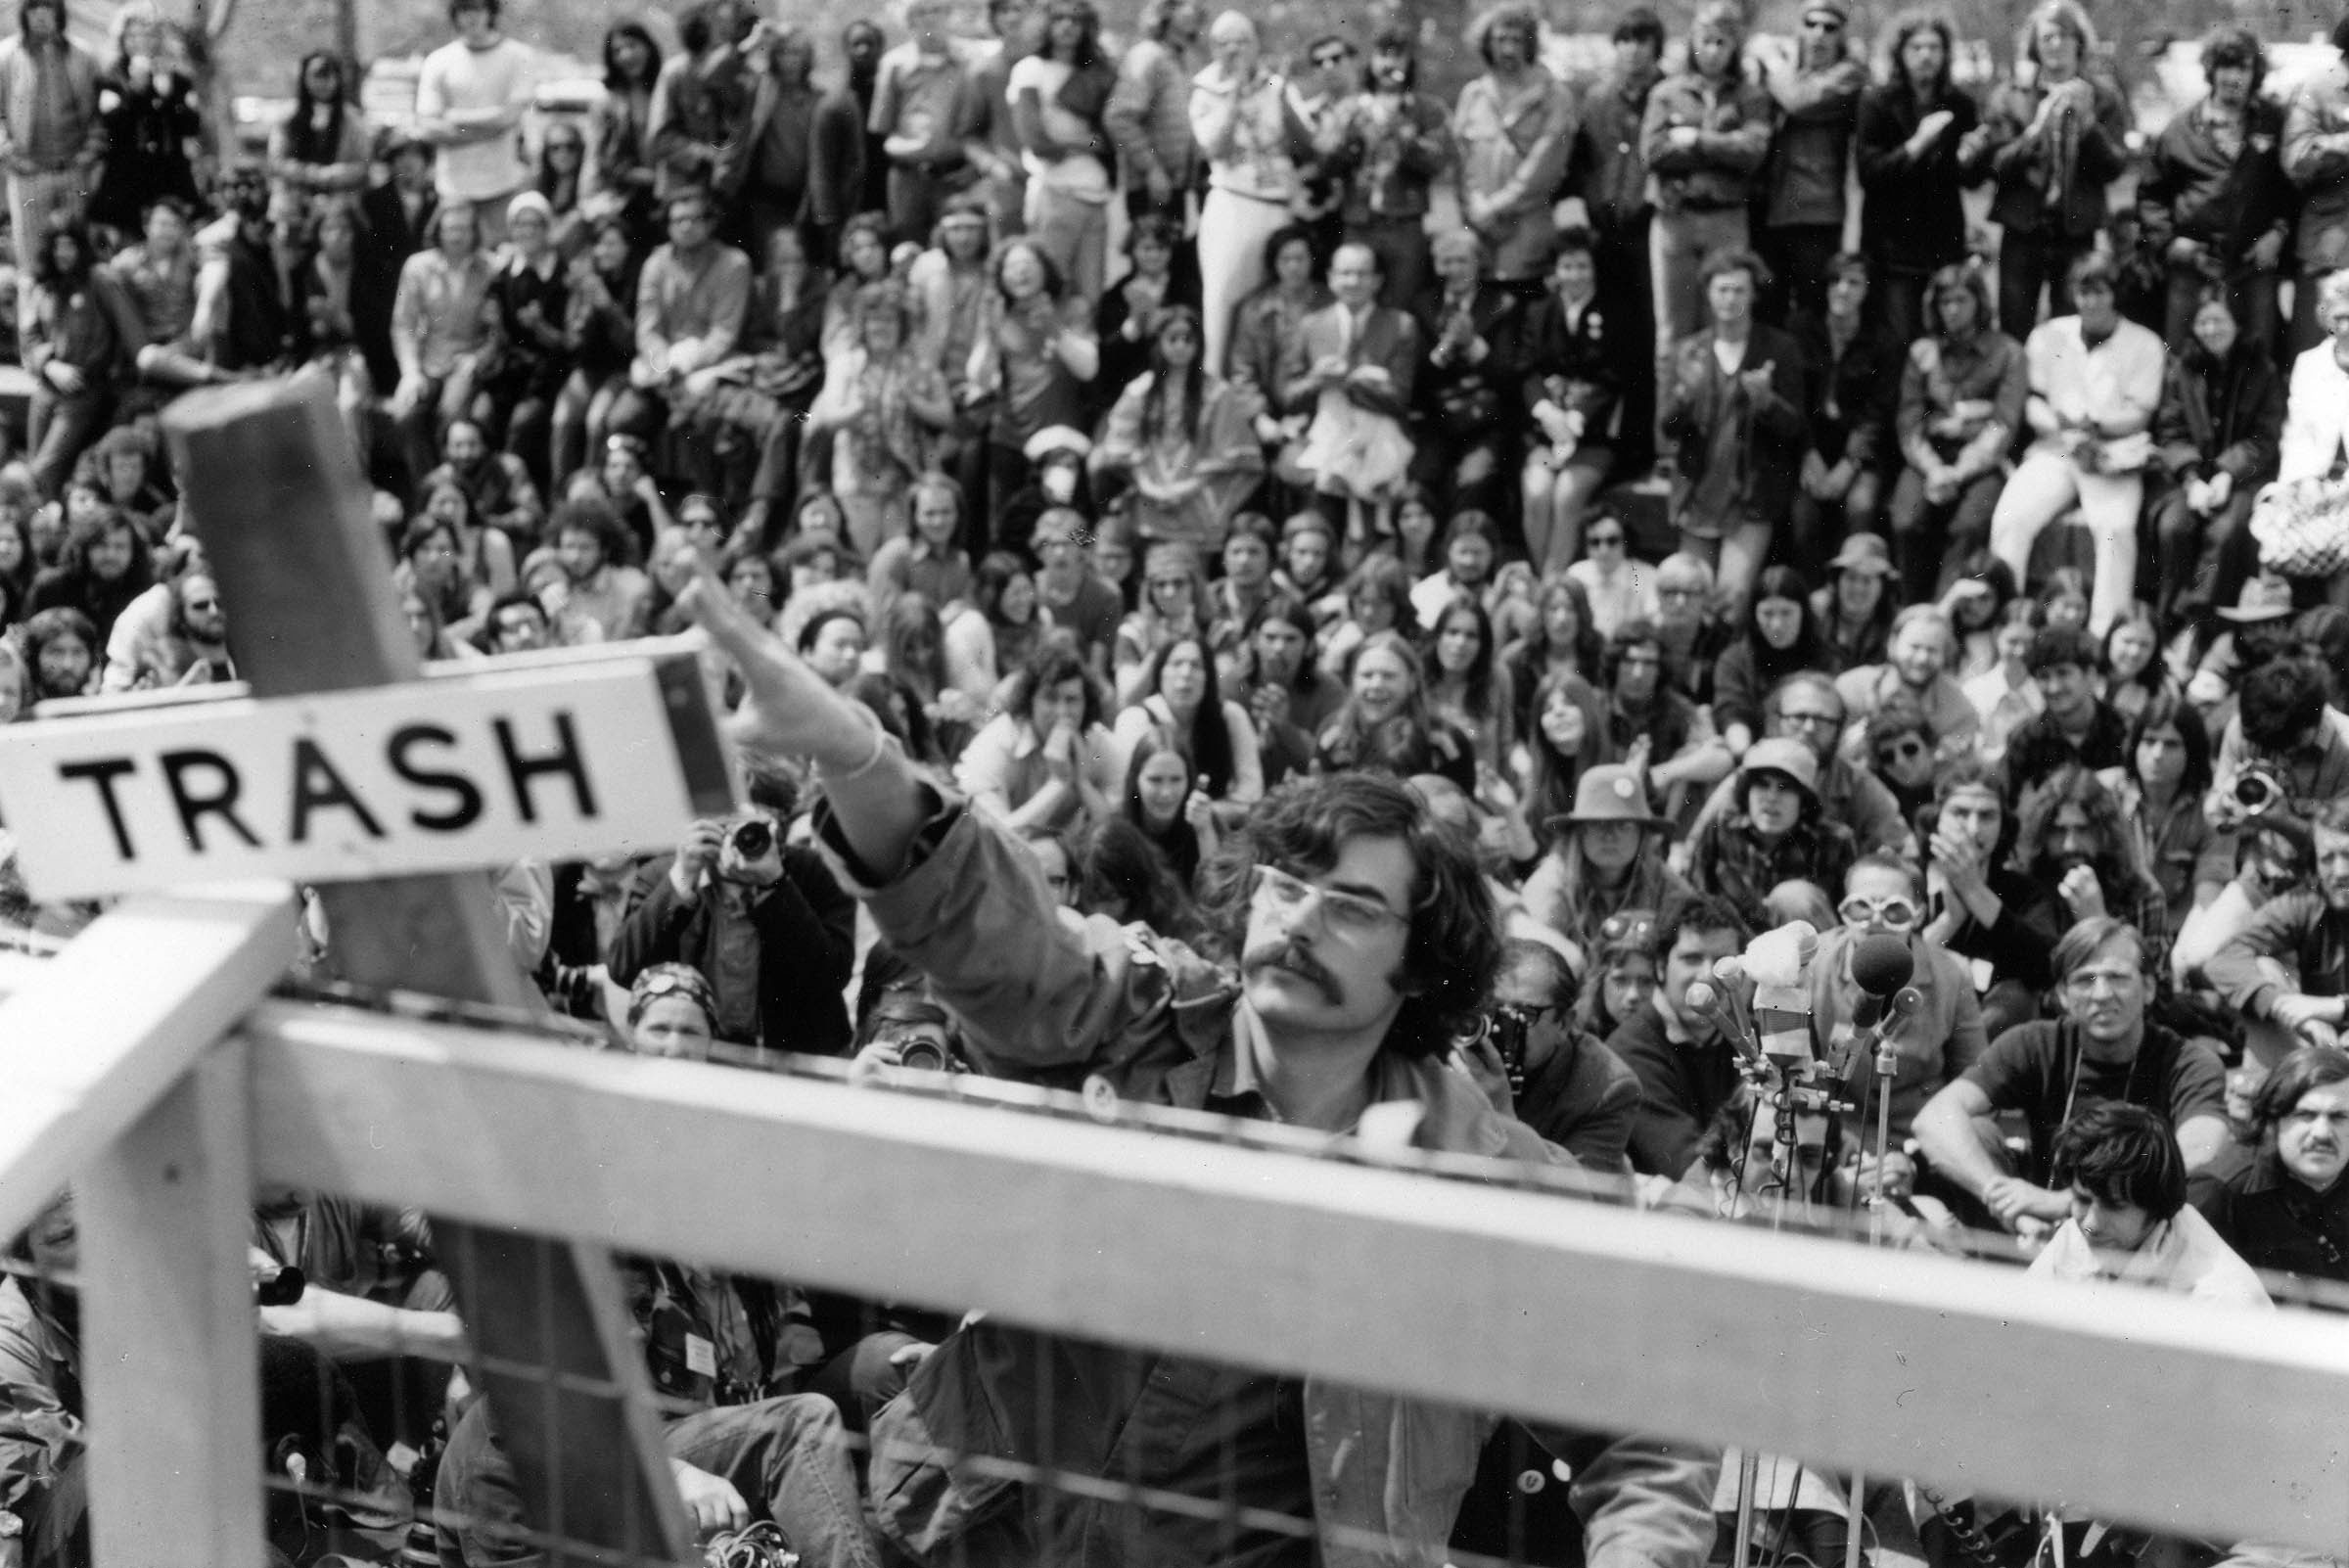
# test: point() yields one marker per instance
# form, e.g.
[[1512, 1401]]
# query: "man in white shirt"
[[2096, 382], [469, 100]]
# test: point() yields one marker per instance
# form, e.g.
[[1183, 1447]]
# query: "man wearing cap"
[[1806, 707], [1775, 834], [1800, 211], [469, 100]]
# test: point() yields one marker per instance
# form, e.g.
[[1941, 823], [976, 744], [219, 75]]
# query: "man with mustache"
[[1368, 943], [2288, 1212]]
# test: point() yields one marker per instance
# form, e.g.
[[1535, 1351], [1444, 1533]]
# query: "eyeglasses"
[[1895, 913], [1805, 720], [1349, 915], [1901, 751]]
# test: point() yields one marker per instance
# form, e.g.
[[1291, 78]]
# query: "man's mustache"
[[1295, 960]]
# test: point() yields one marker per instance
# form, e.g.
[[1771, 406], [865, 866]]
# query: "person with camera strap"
[[761, 919]]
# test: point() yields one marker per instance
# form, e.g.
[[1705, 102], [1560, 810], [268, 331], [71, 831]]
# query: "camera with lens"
[[2258, 791], [1507, 1025], [920, 1050], [752, 837]]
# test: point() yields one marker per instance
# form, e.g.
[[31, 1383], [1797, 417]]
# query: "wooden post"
[[171, 1371], [275, 495]]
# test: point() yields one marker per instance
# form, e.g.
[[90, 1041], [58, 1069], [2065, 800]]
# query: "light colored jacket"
[[19, 87], [1149, 115]]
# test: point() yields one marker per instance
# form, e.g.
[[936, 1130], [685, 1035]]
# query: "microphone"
[[1882, 964], [1703, 998], [1731, 971]]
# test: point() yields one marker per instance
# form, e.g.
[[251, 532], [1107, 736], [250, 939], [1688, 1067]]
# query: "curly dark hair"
[[1053, 663], [1452, 951], [2071, 785], [2123, 1154]]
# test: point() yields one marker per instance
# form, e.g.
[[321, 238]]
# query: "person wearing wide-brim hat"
[[1862, 595], [1605, 857], [2265, 602], [1775, 835]]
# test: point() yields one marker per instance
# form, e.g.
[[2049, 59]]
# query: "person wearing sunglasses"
[[1802, 203], [1882, 897]]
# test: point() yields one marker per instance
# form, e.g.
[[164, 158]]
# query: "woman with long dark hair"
[[1163, 799], [1918, 146], [1470, 689], [562, 178], [1387, 724], [1780, 637], [623, 177], [1128, 316], [1606, 858], [1562, 639], [321, 147], [2160, 789], [1180, 436], [102, 571], [1182, 701]]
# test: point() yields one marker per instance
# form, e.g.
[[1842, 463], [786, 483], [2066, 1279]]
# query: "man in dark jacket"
[[1465, 402], [763, 919], [2213, 200], [1610, 174], [1801, 204], [1687, 1070], [2215, 443], [1855, 371], [2290, 966], [2287, 1212]]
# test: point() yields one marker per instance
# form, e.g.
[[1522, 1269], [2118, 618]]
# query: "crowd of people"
[[1182, 599]]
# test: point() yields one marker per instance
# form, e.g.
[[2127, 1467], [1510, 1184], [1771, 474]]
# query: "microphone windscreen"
[[1701, 996], [1882, 964], [1729, 970]]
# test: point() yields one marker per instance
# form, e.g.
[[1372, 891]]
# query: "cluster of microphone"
[[1774, 1030]]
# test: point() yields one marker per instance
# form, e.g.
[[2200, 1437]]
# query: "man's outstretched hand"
[[787, 709]]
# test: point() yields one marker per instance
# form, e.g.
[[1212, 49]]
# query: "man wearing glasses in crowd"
[[1805, 707], [1881, 898], [2103, 1048], [1367, 941]]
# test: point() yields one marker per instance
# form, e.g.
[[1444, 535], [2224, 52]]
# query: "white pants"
[[1233, 231], [2039, 491]]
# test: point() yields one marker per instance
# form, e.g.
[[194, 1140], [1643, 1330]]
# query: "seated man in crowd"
[[1806, 707], [2290, 966], [2096, 382], [1881, 897], [1366, 940], [2287, 1211], [1575, 1091], [1688, 1068], [2072, 838], [2123, 1178], [2283, 726], [2105, 1048], [2074, 726]]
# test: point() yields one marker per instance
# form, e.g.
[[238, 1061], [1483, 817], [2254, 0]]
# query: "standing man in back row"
[[469, 100]]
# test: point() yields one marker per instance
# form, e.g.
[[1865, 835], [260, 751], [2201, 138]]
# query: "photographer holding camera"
[[2291, 965], [761, 919], [2283, 727]]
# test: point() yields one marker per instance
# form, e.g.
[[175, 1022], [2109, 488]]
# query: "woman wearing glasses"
[[1881, 898]]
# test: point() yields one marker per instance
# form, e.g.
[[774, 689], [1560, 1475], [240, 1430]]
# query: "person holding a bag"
[[2095, 383], [2301, 522]]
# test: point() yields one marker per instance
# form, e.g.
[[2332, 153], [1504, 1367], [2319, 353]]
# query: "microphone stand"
[[1899, 1008]]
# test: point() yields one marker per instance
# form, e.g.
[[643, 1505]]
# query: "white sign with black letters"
[[459, 771]]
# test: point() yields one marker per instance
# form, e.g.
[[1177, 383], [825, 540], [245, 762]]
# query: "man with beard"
[[1367, 941], [2105, 1048], [1688, 1068], [2288, 1212], [2290, 967], [1651, 725], [497, 483], [2072, 838]]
